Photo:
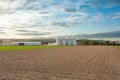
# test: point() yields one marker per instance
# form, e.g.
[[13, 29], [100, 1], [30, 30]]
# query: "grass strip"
[[9, 48]]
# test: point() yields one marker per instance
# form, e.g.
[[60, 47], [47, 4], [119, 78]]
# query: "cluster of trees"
[[95, 42]]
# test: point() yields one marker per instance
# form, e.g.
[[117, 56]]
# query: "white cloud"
[[45, 16], [116, 16], [11, 4], [21, 18], [96, 18], [102, 3]]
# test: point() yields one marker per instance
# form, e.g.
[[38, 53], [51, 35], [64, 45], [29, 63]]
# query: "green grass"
[[118, 47], [9, 48]]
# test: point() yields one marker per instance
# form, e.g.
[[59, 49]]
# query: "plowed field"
[[69, 63]]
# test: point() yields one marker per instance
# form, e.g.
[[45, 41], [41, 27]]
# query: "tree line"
[[96, 42]]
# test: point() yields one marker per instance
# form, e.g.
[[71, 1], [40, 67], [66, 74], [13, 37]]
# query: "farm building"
[[6, 42], [19, 43], [26, 43], [53, 44], [66, 41]]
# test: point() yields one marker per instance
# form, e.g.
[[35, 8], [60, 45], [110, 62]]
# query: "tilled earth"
[[68, 63]]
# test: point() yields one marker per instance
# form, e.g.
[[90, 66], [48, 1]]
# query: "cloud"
[[60, 24], [113, 34], [9, 6], [65, 24], [21, 18], [22, 30], [31, 31], [102, 3], [116, 16], [70, 9], [37, 17], [96, 18], [42, 5], [35, 33], [2, 32], [70, 21]]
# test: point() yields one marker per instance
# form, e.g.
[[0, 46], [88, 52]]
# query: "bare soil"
[[69, 63]]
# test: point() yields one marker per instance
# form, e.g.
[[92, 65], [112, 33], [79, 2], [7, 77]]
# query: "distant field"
[[7, 48]]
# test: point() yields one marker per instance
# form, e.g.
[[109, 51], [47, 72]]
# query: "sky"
[[49, 18]]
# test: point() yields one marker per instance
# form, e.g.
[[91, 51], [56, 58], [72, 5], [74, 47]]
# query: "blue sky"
[[49, 18]]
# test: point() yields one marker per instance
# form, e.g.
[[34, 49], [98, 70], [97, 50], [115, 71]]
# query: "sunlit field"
[[8, 48], [55, 63]]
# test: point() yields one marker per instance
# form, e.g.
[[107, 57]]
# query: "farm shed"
[[26, 43]]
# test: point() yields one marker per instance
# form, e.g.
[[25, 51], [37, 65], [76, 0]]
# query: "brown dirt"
[[71, 63]]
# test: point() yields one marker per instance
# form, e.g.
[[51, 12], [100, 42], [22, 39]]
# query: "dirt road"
[[69, 63]]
